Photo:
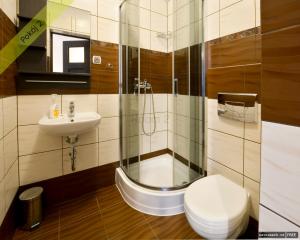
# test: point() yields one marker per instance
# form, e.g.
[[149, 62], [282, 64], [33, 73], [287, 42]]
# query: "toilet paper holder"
[[238, 106]]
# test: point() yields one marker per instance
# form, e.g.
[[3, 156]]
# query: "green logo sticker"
[[31, 32]]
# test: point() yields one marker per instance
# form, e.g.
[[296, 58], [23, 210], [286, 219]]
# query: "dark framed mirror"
[[69, 53]]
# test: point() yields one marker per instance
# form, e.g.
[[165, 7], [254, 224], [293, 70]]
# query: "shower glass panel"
[[161, 89], [129, 98], [188, 104]]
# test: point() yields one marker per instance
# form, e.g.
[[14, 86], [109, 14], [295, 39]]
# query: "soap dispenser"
[[54, 108]]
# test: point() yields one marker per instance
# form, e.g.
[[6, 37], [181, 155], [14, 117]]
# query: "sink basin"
[[65, 126]]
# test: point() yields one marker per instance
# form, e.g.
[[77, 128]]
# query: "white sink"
[[65, 126]]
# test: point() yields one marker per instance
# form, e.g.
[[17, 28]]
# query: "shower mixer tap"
[[143, 85], [146, 85]]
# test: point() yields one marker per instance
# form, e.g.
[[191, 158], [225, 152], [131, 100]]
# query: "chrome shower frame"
[[146, 86]]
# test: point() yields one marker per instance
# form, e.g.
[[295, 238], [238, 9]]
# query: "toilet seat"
[[216, 207]]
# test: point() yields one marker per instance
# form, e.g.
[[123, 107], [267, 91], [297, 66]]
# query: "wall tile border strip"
[[234, 63], [236, 36]]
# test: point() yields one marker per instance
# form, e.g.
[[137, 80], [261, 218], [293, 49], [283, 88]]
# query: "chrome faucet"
[[71, 112], [145, 85]]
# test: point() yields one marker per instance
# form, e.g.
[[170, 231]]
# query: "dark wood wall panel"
[[252, 78], [145, 64], [161, 83], [181, 70], [104, 82], [7, 78], [188, 70], [60, 189], [195, 70], [277, 14], [230, 52], [109, 54], [10, 222], [281, 76], [234, 64], [130, 69], [224, 80], [105, 79], [156, 67], [281, 61], [237, 79]]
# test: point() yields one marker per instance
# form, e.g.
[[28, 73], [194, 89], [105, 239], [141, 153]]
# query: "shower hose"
[[154, 116]]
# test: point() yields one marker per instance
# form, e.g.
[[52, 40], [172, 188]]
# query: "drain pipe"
[[72, 140]]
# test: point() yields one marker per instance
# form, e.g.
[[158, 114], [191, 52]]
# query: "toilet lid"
[[216, 200]]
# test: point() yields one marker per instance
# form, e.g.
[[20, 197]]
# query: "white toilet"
[[217, 208]]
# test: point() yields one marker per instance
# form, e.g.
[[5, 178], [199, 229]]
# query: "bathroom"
[[150, 119]]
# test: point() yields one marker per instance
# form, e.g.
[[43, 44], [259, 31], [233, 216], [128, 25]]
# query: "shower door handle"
[[175, 86]]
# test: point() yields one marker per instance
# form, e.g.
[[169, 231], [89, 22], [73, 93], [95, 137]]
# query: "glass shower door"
[[129, 96], [181, 144], [188, 134]]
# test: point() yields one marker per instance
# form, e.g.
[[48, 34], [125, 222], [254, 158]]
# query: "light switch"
[[97, 59]]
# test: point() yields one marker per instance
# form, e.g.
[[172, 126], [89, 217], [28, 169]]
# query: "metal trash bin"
[[31, 206]]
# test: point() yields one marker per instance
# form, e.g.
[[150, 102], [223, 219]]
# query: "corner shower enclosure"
[[161, 86]]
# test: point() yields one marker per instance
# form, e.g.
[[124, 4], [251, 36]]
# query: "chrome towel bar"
[[53, 81]]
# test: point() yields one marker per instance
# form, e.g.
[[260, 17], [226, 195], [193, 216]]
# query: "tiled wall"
[[234, 151], [43, 156], [9, 176], [156, 67], [104, 19], [105, 80], [225, 17], [159, 140], [136, 141], [144, 21], [101, 146], [233, 65], [184, 109], [184, 24], [185, 127], [280, 175]]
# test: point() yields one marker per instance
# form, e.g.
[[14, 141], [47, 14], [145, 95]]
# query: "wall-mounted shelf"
[[57, 74], [34, 57], [29, 8], [43, 80]]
